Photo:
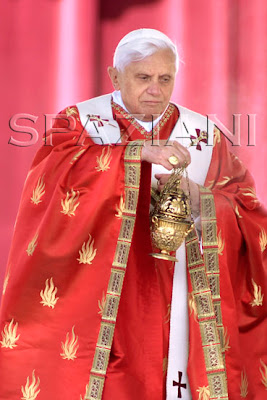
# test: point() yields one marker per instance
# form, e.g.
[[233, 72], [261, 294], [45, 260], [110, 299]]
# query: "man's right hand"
[[159, 153]]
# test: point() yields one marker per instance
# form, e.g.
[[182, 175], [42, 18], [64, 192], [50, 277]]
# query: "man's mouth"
[[152, 102]]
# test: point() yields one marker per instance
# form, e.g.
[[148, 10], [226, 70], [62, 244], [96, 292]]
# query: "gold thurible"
[[171, 219]]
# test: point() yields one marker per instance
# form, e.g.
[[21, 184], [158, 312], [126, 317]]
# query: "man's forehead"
[[162, 65]]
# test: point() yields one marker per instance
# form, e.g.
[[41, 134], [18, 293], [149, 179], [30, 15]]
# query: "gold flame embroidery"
[[258, 296], [38, 191], [48, 296], [101, 304], [165, 365], [32, 245], [204, 393], [70, 346], [120, 208], [237, 212], [6, 280], [226, 339], [244, 384], [70, 203], [103, 162], [30, 391], [71, 111], [216, 136], [221, 243], [87, 252], [250, 192], [263, 372], [225, 180], [192, 305], [168, 315], [77, 155], [211, 184], [9, 335], [263, 240]]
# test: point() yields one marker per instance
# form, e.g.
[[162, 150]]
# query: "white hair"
[[142, 43]]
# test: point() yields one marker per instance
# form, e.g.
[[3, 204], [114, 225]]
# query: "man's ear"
[[113, 74]]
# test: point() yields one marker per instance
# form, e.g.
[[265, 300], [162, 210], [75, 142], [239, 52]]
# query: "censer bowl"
[[168, 235]]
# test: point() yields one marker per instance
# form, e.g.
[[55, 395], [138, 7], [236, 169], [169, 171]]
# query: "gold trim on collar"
[[156, 129]]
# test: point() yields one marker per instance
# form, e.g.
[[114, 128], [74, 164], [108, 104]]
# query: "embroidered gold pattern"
[[110, 303], [263, 240], [211, 260], [204, 393], [71, 111], [211, 184], [95, 389], [6, 280], [70, 347], [70, 203], [206, 292], [116, 281], [87, 252], [101, 304], [143, 131], [209, 233], [258, 295], [218, 385], [131, 198], [263, 372], [208, 332], [133, 153], [48, 295], [77, 155], [32, 245], [121, 255], [103, 162], [244, 385], [111, 307], [192, 305], [105, 336], [9, 335], [213, 357], [250, 192], [221, 243], [100, 362], [225, 180], [226, 340], [216, 136], [38, 191], [237, 212], [120, 208], [31, 389]]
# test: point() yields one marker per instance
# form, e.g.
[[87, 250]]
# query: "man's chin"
[[152, 110]]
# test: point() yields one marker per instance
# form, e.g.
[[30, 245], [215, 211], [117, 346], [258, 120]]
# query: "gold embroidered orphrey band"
[[107, 327], [205, 279]]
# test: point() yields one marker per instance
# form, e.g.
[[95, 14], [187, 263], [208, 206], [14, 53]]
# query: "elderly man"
[[87, 313]]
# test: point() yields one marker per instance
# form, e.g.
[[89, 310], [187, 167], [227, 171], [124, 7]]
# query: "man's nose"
[[153, 88]]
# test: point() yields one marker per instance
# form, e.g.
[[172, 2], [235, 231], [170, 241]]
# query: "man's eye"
[[165, 79], [143, 77]]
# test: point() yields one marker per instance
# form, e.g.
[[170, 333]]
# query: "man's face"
[[146, 86]]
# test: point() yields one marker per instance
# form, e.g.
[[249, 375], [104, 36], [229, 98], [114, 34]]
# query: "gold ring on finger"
[[173, 160]]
